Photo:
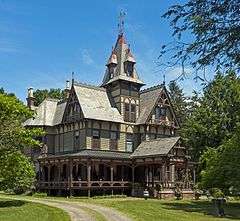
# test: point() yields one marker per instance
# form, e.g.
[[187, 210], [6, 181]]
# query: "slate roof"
[[58, 116], [106, 154], [48, 113], [148, 99], [157, 147], [122, 53], [95, 103]]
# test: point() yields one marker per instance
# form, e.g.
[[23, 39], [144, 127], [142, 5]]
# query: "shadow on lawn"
[[232, 210], [11, 203]]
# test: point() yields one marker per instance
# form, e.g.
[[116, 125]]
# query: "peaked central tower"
[[122, 81]]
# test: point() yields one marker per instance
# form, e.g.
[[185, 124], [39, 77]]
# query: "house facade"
[[112, 138]]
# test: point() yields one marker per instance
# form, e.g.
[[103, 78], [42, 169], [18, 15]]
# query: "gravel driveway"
[[77, 210]]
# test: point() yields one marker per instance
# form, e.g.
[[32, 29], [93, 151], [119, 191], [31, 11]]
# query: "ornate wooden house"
[[113, 138]]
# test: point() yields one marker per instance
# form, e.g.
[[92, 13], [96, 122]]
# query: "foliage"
[[178, 193], [215, 117], [12, 133], [206, 32], [40, 95], [216, 192], [178, 101], [223, 165], [15, 169]]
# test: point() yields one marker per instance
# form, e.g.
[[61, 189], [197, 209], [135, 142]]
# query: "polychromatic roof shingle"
[[157, 147], [148, 99], [95, 103], [48, 113]]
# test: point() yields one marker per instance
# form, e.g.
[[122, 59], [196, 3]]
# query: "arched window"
[[160, 113], [130, 112]]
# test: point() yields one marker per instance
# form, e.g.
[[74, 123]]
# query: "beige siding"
[[121, 143], [104, 144], [88, 142]]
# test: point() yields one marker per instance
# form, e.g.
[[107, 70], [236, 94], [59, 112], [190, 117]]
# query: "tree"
[[223, 165], [206, 32], [216, 117], [16, 170], [178, 101], [40, 95]]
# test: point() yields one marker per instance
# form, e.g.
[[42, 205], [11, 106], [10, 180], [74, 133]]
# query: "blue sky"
[[42, 42]]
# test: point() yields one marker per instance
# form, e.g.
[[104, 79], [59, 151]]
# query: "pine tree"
[[178, 101]]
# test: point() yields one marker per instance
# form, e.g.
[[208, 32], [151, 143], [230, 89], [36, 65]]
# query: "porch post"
[[49, 171], [122, 172], [70, 177], [59, 177], [111, 178], [43, 177], [194, 175], [147, 173], [89, 177], [172, 174], [76, 166], [163, 175], [133, 180]]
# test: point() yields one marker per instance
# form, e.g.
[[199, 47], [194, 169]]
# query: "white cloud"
[[86, 57]]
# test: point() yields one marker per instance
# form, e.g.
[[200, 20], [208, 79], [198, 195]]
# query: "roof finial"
[[121, 22], [164, 79], [72, 78]]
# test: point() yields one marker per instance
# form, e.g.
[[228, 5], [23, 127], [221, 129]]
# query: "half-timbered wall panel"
[[68, 141]]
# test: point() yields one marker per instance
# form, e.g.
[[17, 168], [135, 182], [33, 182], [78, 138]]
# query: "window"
[[113, 140], [76, 134], [128, 68], [95, 139], [113, 135], [127, 109], [160, 112], [111, 69], [133, 113], [130, 112], [129, 142], [96, 134]]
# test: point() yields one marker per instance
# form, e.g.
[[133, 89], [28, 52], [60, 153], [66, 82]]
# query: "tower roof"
[[121, 54]]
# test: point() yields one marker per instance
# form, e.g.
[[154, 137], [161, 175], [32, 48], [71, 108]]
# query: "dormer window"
[[111, 70], [128, 68]]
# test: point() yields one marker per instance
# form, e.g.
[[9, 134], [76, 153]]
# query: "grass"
[[151, 210], [161, 210], [18, 210]]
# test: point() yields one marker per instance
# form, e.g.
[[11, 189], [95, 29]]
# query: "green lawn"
[[155, 210], [160, 210], [17, 210]]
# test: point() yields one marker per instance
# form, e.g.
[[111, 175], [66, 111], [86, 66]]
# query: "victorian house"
[[112, 138]]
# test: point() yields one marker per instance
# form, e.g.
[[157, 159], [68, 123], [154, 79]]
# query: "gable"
[[95, 104], [73, 109], [152, 98]]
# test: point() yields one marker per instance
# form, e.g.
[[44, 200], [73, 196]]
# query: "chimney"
[[30, 98], [67, 89]]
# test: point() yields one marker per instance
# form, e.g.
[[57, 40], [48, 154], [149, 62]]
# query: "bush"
[[216, 193]]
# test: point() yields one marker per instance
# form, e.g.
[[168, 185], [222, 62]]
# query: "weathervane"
[[72, 77], [121, 18], [164, 79]]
